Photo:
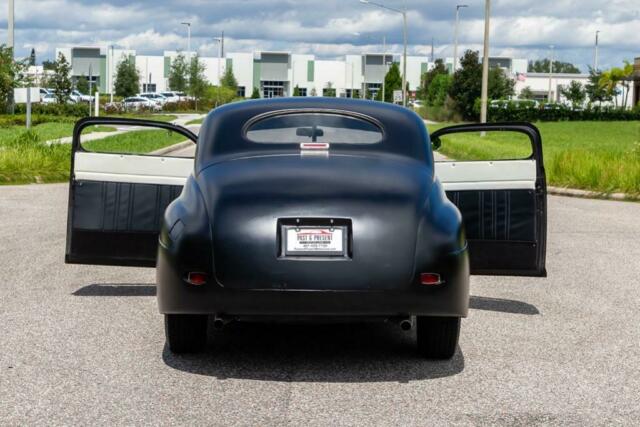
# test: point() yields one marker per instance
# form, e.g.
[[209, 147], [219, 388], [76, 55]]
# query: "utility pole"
[[110, 71], [222, 44], [432, 57], [595, 58], [10, 33], [455, 42], [188, 24], [550, 98], [485, 62], [384, 63]]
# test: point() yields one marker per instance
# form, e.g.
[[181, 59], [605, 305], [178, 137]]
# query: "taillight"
[[196, 278], [430, 279]]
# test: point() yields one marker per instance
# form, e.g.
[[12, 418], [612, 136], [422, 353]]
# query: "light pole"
[[188, 24], [550, 73], [219, 41], [384, 63], [110, 71], [455, 42], [595, 58], [485, 62], [11, 43], [403, 12]]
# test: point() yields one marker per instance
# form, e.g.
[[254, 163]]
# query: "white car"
[[138, 102], [78, 96], [154, 97], [48, 98]]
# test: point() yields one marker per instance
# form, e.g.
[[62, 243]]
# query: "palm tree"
[[610, 80]]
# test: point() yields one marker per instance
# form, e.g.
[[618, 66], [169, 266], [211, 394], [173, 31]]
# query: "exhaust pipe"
[[219, 322], [406, 324]]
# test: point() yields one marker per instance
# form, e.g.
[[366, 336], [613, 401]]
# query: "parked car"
[[159, 99], [417, 103], [138, 102], [172, 96], [78, 96], [310, 208], [48, 98]]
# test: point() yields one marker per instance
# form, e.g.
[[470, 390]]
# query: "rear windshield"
[[314, 127]]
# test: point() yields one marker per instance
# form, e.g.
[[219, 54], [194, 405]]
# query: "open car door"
[[124, 173], [497, 181]]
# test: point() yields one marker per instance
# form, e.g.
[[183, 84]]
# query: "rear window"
[[314, 127]]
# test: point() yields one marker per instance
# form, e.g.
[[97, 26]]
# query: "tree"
[[392, 81], [197, 80], [228, 79], [595, 92], [329, 90], [428, 76], [82, 84], [296, 91], [48, 65], [438, 89], [9, 73], [60, 80], [466, 86], [256, 93], [542, 66], [526, 93], [178, 74], [218, 95], [32, 57], [574, 93], [500, 86], [127, 79]]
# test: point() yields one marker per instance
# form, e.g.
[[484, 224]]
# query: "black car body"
[[314, 207]]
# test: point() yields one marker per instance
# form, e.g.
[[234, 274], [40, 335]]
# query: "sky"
[[331, 28]]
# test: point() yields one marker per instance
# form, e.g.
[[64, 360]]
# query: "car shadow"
[[147, 290], [117, 290], [351, 352], [502, 305]]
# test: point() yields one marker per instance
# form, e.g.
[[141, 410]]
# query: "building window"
[[302, 91], [353, 93], [240, 93], [148, 87]]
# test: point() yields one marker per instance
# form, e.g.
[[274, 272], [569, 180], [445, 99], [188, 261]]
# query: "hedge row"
[[76, 110], [557, 112]]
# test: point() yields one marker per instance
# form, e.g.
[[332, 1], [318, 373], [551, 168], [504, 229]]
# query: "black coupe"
[[310, 208]]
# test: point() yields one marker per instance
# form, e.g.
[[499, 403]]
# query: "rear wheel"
[[186, 333], [438, 336]]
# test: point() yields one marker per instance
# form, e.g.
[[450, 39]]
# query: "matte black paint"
[[226, 222]]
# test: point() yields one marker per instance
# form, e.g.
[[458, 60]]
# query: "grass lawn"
[[139, 142], [25, 158], [599, 156], [195, 122]]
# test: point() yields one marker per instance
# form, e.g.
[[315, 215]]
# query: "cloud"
[[525, 28]]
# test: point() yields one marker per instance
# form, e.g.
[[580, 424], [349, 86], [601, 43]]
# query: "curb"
[[171, 148], [586, 194]]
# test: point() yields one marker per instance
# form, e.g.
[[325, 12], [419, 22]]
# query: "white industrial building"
[[273, 73], [278, 73]]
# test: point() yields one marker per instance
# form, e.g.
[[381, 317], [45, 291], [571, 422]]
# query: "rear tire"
[[186, 333], [437, 336]]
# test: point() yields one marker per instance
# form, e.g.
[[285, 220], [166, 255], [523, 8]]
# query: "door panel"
[[502, 202], [117, 201]]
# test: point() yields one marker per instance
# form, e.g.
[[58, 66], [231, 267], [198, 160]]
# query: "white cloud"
[[524, 28]]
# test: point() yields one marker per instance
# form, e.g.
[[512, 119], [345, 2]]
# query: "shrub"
[[76, 110], [524, 111]]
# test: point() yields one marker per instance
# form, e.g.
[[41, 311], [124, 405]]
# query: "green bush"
[[76, 110], [524, 111]]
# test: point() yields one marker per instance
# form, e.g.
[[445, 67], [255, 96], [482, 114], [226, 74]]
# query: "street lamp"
[[403, 12], [188, 24], [455, 43], [550, 72], [595, 59], [485, 63], [219, 41], [10, 34]]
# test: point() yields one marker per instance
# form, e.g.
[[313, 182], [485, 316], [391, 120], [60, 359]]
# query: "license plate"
[[314, 241]]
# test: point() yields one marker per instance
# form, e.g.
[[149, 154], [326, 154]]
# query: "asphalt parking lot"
[[85, 345]]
